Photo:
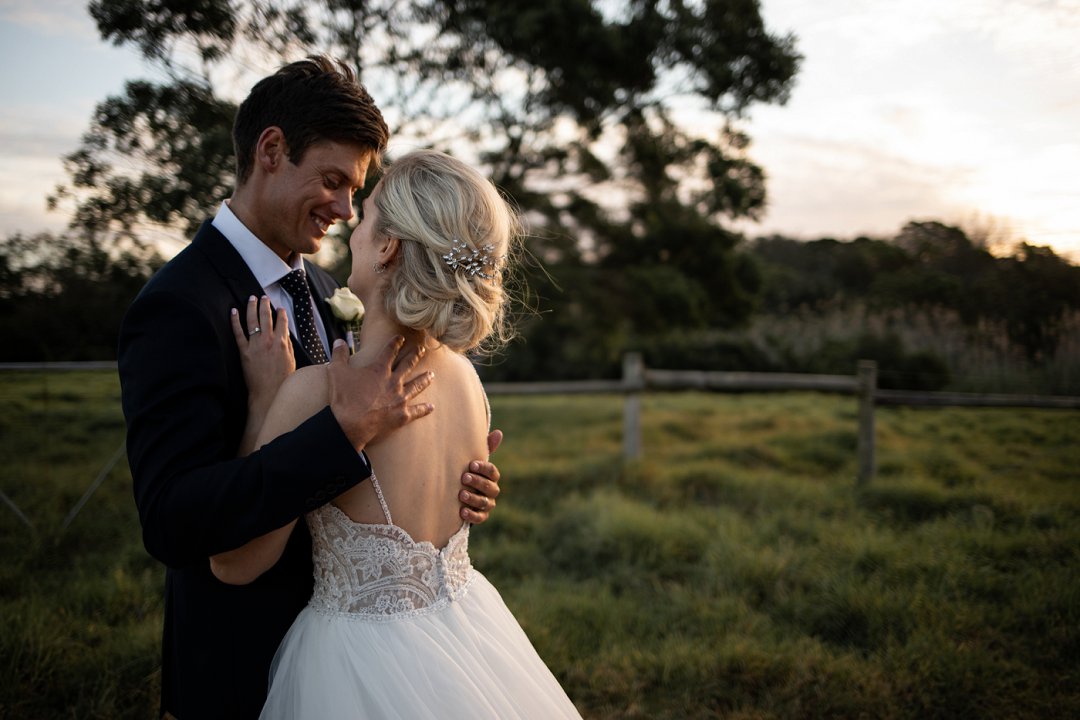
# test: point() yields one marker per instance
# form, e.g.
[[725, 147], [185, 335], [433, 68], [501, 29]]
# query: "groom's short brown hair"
[[310, 100]]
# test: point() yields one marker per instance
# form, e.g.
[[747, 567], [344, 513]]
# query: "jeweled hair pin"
[[472, 262]]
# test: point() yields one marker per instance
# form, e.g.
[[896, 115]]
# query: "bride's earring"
[[379, 268]]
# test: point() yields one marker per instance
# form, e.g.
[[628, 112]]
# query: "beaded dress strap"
[[382, 500]]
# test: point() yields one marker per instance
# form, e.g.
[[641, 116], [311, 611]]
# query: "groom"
[[305, 138]]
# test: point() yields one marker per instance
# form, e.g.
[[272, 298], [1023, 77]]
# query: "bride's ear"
[[388, 250]]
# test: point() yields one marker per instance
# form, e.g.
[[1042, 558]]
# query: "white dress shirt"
[[266, 266]]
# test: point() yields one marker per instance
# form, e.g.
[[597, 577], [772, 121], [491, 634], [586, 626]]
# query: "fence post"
[[867, 387], [633, 379]]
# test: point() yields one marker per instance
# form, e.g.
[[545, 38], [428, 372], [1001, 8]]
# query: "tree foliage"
[[928, 264], [159, 154], [611, 124], [62, 297]]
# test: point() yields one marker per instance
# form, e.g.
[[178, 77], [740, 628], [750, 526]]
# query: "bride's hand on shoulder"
[[265, 349]]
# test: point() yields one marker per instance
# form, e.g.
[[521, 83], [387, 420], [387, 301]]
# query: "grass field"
[[734, 572]]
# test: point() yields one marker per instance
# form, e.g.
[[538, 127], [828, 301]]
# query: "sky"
[[964, 111]]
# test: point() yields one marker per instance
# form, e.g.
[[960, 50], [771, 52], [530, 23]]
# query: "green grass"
[[734, 572], [80, 608]]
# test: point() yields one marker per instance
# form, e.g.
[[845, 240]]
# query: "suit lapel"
[[228, 263], [242, 284]]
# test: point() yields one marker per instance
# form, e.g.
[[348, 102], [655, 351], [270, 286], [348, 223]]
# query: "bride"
[[400, 625]]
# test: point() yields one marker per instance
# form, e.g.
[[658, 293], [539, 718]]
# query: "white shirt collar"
[[263, 262]]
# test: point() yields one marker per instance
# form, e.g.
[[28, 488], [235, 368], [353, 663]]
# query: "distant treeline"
[[934, 308], [62, 297], [928, 265]]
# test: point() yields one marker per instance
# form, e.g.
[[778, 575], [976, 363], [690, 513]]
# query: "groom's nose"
[[342, 206]]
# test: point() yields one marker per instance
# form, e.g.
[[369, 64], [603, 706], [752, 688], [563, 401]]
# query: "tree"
[[62, 297], [577, 108], [929, 265], [178, 133], [809, 273], [1035, 289]]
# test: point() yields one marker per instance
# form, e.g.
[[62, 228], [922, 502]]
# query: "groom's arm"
[[184, 415]]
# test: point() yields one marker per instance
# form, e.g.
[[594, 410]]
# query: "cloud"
[[66, 18], [925, 109], [844, 189], [23, 189], [30, 130]]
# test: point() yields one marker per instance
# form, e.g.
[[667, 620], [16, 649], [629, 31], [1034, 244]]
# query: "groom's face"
[[302, 201]]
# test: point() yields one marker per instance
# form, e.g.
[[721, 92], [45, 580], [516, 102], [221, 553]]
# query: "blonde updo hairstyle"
[[429, 200]]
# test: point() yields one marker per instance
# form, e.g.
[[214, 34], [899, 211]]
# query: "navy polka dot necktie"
[[295, 283]]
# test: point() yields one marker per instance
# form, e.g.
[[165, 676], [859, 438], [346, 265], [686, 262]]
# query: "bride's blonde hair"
[[431, 201]]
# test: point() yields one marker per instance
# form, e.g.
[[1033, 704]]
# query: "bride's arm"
[[301, 395], [267, 357]]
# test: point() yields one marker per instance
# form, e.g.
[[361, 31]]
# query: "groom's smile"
[[300, 202], [323, 225]]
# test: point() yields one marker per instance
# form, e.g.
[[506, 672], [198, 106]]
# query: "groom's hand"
[[372, 401], [481, 485]]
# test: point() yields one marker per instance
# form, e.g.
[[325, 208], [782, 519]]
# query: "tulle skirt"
[[467, 659]]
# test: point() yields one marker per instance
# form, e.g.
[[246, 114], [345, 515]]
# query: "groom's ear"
[[271, 150]]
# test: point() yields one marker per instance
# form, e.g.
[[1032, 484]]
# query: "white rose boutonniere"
[[347, 308]]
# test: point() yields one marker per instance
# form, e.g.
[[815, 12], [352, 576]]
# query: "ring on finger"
[[255, 331]]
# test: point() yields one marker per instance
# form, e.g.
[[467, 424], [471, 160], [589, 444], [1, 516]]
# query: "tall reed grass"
[[979, 357]]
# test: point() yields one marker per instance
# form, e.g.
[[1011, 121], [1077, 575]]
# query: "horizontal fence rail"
[[637, 379], [60, 366], [747, 381], [954, 399], [569, 387]]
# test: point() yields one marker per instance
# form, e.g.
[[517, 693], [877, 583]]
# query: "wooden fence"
[[637, 379]]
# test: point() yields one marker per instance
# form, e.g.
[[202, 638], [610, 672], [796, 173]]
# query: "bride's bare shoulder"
[[454, 368]]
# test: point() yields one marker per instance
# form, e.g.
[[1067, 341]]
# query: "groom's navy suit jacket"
[[185, 402]]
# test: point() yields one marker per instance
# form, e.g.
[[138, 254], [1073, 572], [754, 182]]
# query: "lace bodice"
[[378, 571]]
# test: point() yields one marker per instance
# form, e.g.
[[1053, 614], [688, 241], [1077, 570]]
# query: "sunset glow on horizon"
[[965, 112]]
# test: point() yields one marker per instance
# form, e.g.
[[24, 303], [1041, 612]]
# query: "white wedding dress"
[[401, 629]]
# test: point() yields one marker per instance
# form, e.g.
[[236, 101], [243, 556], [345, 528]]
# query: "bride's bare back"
[[419, 467]]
